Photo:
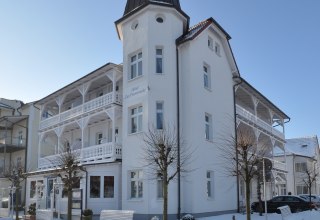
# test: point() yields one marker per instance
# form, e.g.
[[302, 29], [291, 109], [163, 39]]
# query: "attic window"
[[160, 19], [135, 25], [304, 145]]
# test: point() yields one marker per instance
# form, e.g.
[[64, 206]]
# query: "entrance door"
[[49, 192]]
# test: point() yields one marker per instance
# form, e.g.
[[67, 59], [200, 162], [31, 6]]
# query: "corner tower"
[[148, 30]]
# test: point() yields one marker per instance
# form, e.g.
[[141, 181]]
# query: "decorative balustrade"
[[262, 124], [106, 152], [279, 165], [89, 106], [20, 142]]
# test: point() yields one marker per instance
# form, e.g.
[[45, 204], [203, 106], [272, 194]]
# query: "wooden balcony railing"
[[89, 106], [107, 152], [258, 121]]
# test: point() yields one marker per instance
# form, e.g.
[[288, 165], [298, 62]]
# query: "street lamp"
[[12, 189]]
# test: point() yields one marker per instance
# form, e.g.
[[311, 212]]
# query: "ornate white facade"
[[171, 75]]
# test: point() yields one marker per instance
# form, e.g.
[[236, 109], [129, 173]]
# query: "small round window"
[[159, 19], [135, 25]]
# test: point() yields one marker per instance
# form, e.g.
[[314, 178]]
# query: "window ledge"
[[207, 88], [135, 200], [136, 78], [210, 141], [132, 134]]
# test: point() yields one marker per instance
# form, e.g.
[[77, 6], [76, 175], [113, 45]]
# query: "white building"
[[18, 126], [301, 154], [171, 74]]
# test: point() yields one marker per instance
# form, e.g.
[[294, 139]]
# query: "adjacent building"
[[302, 155], [18, 144]]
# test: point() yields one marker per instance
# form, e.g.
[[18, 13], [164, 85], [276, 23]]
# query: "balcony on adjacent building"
[[101, 153]]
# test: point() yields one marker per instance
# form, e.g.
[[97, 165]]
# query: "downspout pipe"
[[178, 134], [236, 137]]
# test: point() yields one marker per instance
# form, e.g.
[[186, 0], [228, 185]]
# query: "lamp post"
[[57, 187], [264, 187], [12, 189]]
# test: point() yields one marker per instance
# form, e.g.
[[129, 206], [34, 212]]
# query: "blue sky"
[[45, 45]]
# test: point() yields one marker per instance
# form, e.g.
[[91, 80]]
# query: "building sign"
[[77, 199], [137, 90]]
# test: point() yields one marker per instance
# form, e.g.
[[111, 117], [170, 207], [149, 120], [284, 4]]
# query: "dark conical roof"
[[133, 4]]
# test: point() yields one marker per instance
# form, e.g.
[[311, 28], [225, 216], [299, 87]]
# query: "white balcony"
[[87, 107], [107, 152], [245, 114], [277, 165]]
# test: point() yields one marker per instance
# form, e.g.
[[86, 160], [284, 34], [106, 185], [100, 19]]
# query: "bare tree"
[[161, 155], [16, 175], [241, 156], [69, 169], [310, 178]]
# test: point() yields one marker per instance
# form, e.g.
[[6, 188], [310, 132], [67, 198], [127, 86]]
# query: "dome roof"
[[134, 4]]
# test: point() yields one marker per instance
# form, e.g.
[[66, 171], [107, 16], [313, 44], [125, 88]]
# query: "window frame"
[[217, 48], [210, 43], [210, 184], [138, 115], [206, 76], [160, 112], [208, 126], [159, 57], [137, 180], [136, 65]]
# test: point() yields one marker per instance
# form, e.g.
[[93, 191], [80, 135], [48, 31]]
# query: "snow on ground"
[[307, 215]]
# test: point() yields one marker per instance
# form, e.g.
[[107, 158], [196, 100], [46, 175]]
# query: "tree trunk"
[[69, 204], [248, 198], [165, 196], [17, 203]]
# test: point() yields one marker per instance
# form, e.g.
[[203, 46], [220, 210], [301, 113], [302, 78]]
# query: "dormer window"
[[304, 145]]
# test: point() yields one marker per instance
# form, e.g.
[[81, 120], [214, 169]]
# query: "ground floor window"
[[136, 184], [302, 189], [96, 182], [108, 187]]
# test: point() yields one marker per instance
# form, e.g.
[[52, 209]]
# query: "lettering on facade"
[[136, 91]]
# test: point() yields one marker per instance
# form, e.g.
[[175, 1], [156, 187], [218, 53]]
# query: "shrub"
[[87, 212], [32, 209], [188, 217]]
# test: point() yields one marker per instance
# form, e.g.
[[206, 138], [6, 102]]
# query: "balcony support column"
[[41, 137], [111, 113], [83, 123], [83, 89], [58, 132], [59, 102]]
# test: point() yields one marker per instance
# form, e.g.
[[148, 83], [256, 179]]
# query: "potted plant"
[[87, 214], [32, 211]]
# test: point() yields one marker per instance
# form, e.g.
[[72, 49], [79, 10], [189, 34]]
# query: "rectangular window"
[[32, 189], [108, 187], [94, 186], [136, 184], [217, 48], [210, 184], [159, 60], [136, 119], [99, 137], [206, 77], [301, 167], [136, 65], [20, 138], [76, 185], [159, 112], [160, 185], [210, 43], [302, 189], [208, 126]]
